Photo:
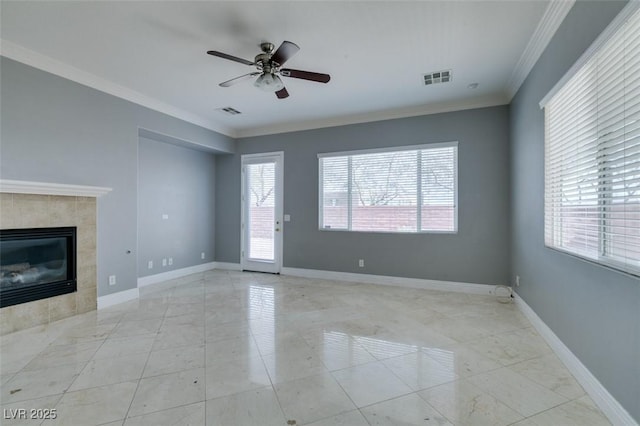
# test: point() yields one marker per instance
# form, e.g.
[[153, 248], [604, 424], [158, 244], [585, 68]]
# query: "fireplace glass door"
[[36, 263]]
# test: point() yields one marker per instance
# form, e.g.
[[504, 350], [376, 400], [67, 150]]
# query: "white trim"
[[259, 156], [117, 298], [177, 273], [277, 158], [344, 120], [43, 188], [611, 408], [455, 232], [400, 148], [452, 286], [456, 179], [50, 65], [617, 22], [227, 266], [394, 149], [553, 16]]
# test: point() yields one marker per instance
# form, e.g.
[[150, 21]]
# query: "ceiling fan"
[[268, 65]]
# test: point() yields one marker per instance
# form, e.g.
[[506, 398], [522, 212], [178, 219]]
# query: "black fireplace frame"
[[11, 297]]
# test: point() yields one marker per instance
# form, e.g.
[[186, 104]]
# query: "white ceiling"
[[376, 53]]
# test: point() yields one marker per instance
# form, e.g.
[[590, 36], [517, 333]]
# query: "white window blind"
[[592, 156], [409, 189]]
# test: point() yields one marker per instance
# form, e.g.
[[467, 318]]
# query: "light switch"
[[165, 216]]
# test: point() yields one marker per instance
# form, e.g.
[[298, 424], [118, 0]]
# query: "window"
[[592, 155], [408, 189]]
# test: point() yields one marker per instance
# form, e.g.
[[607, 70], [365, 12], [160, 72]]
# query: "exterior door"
[[262, 212]]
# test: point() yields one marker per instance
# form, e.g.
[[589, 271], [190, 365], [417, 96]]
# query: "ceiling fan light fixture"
[[268, 69], [269, 82]]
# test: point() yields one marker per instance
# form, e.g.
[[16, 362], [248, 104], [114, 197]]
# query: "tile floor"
[[229, 348]]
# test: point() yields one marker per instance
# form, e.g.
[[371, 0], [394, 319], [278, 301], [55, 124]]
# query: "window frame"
[[391, 149], [605, 257]]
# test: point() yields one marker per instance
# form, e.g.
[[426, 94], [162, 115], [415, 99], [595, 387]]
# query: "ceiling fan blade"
[[286, 50], [238, 79], [229, 57], [305, 75], [282, 93]]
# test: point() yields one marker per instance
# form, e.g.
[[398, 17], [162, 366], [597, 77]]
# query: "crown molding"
[[553, 16], [631, 7], [45, 63], [50, 65], [481, 102], [45, 188]]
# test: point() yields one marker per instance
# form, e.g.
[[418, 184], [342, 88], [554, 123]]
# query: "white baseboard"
[[392, 281], [177, 273], [117, 298], [228, 266], [611, 408]]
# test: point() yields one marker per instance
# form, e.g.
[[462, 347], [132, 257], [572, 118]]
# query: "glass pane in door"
[[261, 180]]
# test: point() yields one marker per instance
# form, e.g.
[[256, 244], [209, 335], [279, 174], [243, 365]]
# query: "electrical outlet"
[[202, 255], [170, 261], [517, 280], [112, 280], [361, 263], [150, 264], [164, 262]]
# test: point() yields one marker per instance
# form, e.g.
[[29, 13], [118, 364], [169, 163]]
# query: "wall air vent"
[[229, 110], [437, 77]]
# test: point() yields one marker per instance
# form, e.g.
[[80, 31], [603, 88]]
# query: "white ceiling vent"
[[229, 110], [437, 77]]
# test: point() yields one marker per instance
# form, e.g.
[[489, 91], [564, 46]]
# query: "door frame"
[[274, 267]]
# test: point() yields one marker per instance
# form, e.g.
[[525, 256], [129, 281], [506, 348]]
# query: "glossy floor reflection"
[[231, 348]]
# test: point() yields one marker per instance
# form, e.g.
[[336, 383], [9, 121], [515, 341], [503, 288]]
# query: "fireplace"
[[36, 263]]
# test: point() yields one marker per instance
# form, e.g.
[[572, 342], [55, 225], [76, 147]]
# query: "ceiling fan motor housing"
[[263, 62]]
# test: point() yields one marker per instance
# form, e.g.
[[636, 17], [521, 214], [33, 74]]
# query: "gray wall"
[[55, 130], [479, 253], [595, 311], [177, 182]]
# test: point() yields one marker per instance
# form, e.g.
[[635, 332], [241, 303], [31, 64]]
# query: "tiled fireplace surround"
[[19, 210]]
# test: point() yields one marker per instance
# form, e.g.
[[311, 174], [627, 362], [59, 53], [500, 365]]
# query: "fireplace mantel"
[[45, 188]]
